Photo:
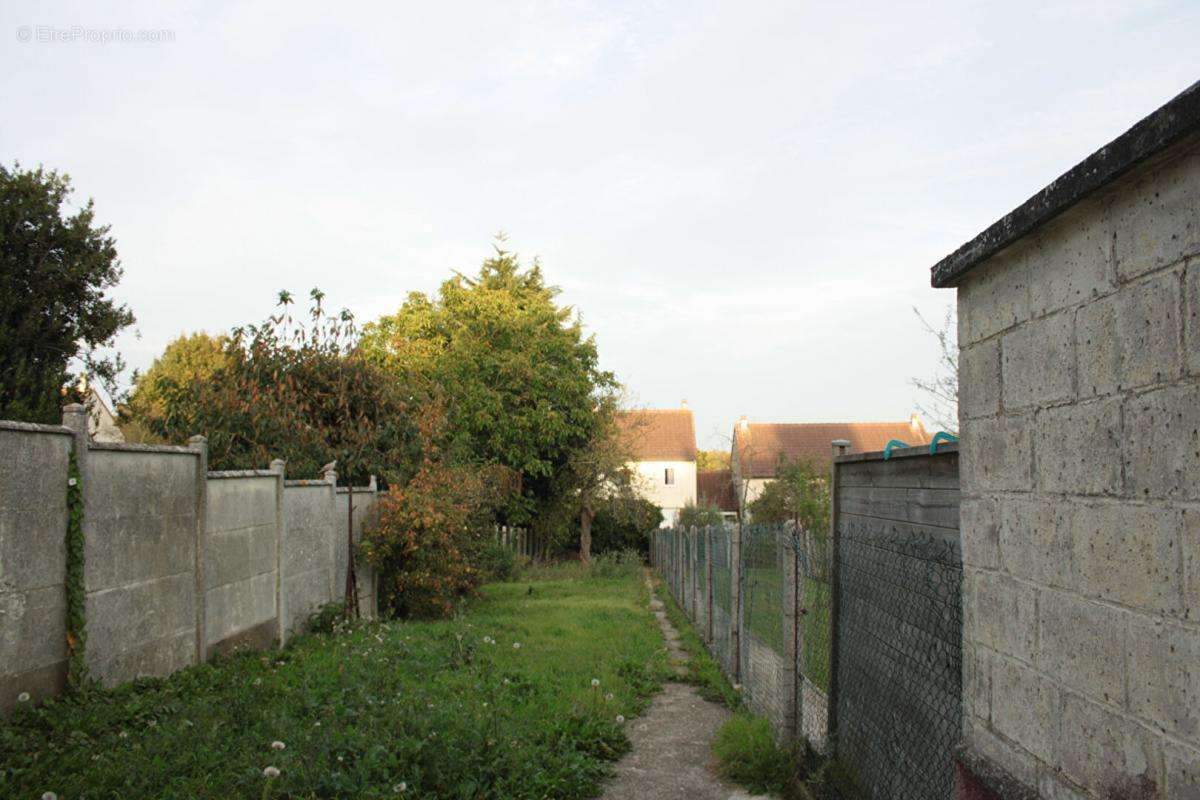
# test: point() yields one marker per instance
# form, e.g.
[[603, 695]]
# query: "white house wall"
[[672, 498]]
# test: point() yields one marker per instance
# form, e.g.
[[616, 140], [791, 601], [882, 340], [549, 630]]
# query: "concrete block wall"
[[140, 526], [1079, 408], [364, 509], [33, 523], [309, 574], [179, 563], [241, 579]]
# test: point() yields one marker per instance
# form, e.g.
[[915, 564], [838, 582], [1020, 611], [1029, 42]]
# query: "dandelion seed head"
[[271, 772], [595, 681], [277, 745], [400, 788], [516, 645], [23, 697], [49, 796], [620, 718]]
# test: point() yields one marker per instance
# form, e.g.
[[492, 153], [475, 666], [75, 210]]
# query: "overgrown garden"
[[523, 696]]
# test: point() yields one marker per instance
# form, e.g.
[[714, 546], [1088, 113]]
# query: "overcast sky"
[[742, 199]]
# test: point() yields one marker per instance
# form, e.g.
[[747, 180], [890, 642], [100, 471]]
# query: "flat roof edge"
[[1167, 126]]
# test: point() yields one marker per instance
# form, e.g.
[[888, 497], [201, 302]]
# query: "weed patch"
[[747, 754]]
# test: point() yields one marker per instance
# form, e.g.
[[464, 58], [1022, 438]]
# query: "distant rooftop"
[[1165, 127], [660, 434], [759, 445]]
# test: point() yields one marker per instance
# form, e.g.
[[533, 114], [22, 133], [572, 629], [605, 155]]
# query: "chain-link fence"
[[903, 620], [769, 614], [724, 639], [852, 643], [898, 679]]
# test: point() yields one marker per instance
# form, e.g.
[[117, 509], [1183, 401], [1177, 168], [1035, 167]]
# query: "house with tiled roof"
[[758, 447], [662, 445]]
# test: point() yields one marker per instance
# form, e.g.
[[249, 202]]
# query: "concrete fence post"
[[74, 416], [199, 445], [835, 593], [788, 559], [735, 602], [693, 572], [330, 475], [278, 466], [709, 538]]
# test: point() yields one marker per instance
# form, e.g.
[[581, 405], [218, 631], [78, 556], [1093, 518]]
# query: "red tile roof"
[[660, 434], [758, 445], [715, 488]]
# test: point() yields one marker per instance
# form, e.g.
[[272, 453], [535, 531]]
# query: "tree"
[[186, 361], [298, 389], [522, 382], [709, 460], [596, 473], [799, 494], [623, 521], [55, 271], [941, 390]]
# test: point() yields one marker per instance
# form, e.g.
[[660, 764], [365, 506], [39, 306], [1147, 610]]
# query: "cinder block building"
[[1079, 376]]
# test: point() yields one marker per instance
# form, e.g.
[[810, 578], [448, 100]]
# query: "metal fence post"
[[835, 587], [693, 570]]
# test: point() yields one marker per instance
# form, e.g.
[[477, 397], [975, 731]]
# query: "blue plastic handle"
[[887, 449], [940, 436]]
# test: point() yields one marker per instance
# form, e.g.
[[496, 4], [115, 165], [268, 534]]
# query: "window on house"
[[669, 476]]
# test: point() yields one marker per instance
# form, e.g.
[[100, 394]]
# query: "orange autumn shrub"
[[428, 536]]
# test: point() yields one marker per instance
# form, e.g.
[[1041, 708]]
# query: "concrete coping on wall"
[[242, 473], [900, 452], [34, 427], [305, 482], [1169, 125], [127, 447], [357, 489]]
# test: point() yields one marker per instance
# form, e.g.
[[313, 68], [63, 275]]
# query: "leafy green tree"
[[189, 360], [708, 460], [522, 382], [297, 389], [700, 515], [623, 521], [591, 476], [799, 494], [55, 271]]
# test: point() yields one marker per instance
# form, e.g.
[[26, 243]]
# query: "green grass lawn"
[[497, 704]]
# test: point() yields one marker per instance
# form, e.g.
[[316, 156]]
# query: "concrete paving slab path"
[[672, 757]]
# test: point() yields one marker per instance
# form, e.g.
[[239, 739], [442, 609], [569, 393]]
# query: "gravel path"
[[671, 759]]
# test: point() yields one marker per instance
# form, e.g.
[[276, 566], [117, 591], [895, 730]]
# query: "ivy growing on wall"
[[77, 673]]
